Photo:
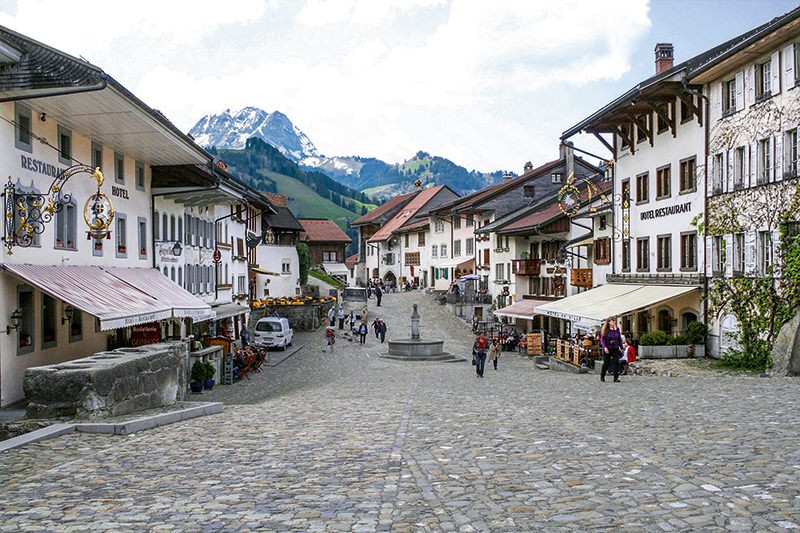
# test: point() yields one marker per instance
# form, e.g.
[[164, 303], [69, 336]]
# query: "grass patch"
[[326, 278]]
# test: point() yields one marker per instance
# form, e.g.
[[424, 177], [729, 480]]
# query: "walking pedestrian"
[[330, 338], [611, 342], [378, 295], [245, 336], [332, 316], [479, 351], [474, 323], [362, 332], [382, 330], [494, 353], [352, 319], [341, 316]]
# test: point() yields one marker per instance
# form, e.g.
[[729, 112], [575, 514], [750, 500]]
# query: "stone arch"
[[686, 316], [664, 318]]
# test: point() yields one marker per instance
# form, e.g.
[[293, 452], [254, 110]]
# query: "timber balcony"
[[526, 267], [581, 277]]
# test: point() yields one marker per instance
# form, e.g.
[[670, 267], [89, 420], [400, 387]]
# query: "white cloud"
[[318, 13]]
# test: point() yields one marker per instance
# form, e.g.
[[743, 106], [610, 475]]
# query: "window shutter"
[[750, 86], [777, 259], [740, 90], [777, 160], [709, 259], [788, 66], [717, 96], [435, 273], [750, 253], [729, 259], [775, 73]]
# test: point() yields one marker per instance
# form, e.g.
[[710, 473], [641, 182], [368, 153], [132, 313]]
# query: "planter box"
[[669, 352]]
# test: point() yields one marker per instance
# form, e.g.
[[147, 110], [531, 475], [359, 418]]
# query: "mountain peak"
[[231, 130]]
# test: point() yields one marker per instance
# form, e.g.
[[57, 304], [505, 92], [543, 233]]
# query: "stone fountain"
[[416, 349]]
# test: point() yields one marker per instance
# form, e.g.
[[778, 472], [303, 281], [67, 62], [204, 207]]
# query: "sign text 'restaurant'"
[[666, 211]]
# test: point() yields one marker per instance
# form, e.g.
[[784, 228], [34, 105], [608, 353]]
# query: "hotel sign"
[[666, 211]]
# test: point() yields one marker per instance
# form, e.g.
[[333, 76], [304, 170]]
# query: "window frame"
[[49, 317], [141, 224], [139, 175], [765, 252], [689, 251], [23, 136], [626, 255], [664, 182], [97, 155], [764, 161], [728, 97], [64, 149], [664, 252], [763, 81], [121, 237], [643, 254], [27, 322], [642, 193], [65, 225], [687, 184], [790, 155]]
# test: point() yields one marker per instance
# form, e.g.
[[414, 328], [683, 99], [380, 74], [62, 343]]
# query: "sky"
[[489, 85]]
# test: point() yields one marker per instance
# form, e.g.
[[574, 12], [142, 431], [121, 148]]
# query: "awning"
[[262, 271], [523, 309], [336, 269], [469, 264], [582, 242], [229, 310], [614, 299], [91, 289], [149, 280]]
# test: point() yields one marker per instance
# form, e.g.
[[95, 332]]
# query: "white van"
[[273, 331]]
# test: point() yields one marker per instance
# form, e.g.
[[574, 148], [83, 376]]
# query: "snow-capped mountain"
[[231, 130]]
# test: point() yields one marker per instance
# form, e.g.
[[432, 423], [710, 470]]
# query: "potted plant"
[[197, 376], [208, 380], [121, 248]]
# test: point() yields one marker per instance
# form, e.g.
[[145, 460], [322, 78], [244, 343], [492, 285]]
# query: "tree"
[[303, 257]]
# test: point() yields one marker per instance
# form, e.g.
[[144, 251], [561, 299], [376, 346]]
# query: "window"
[[738, 254], [625, 134], [22, 130], [119, 168], [470, 220], [738, 168], [728, 97], [66, 225], [470, 245], [661, 124], [642, 181], [97, 155], [790, 154], [689, 251], [49, 316], [26, 330], [663, 252], [172, 228], [686, 112], [406, 240], [286, 267], [122, 250], [764, 161], [155, 225], [142, 222], [76, 325], [641, 134], [764, 253], [139, 175], [626, 255], [718, 255], [64, 145], [330, 256], [663, 183], [556, 177], [688, 179], [601, 222], [443, 251], [434, 251], [643, 254], [602, 251], [718, 177], [457, 248], [421, 238], [456, 222], [499, 270], [763, 81], [438, 226], [528, 191]]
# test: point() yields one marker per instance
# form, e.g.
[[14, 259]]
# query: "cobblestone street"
[[352, 442]]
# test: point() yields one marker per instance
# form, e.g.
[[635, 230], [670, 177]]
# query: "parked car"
[[355, 299], [273, 331]]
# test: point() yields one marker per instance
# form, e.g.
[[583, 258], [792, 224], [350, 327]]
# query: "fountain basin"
[[412, 347]]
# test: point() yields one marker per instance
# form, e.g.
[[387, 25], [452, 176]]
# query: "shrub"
[[678, 340], [696, 333], [209, 371], [656, 338], [198, 372]]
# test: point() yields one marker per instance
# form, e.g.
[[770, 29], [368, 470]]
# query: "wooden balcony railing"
[[581, 277], [526, 267]]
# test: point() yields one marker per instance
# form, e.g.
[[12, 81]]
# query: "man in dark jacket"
[[382, 329]]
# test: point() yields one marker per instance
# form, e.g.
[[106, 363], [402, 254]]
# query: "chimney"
[[663, 57], [565, 152], [528, 167], [507, 176]]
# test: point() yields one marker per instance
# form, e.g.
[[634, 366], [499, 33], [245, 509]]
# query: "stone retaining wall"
[[107, 384], [307, 317]]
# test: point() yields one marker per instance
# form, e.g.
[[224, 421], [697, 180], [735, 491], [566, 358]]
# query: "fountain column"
[[415, 324]]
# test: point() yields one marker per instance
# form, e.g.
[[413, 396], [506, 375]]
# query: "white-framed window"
[[286, 267], [738, 253], [66, 225], [764, 252], [557, 177], [738, 168], [689, 250], [241, 284], [764, 160], [457, 248], [119, 168], [688, 177], [438, 226], [142, 226], [470, 220], [330, 256], [121, 236], [139, 170], [443, 250], [470, 245], [22, 128], [64, 145], [97, 155], [499, 270], [663, 182], [763, 80], [718, 177], [456, 222], [434, 251], [790, 154], [643, 254], [718, 255]]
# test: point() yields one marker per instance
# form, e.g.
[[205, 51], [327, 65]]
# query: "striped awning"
[[149, 280]]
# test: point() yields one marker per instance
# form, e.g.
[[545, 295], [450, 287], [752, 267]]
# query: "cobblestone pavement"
[[352, 442]]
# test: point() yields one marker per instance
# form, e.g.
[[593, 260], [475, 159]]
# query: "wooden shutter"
[[788, 66], [750, 256], [777, 160], [729, 259], [709, 258], [750, 86], [775, 73], [717, 96], [740, 90], [486, 256]]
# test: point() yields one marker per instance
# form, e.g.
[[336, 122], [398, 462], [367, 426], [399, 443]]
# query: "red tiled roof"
[[322, 230], [352, 260], [553, 211], [416, 226], [406, 213], [276, 199], [381, 209]]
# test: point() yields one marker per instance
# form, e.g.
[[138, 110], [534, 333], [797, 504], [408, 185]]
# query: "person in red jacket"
[[479, 352]]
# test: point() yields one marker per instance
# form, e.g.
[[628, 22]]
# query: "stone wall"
[[301, 317], [108, 384]]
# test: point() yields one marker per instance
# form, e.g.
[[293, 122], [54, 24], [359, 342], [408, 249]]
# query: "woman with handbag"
[[611, 343]]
